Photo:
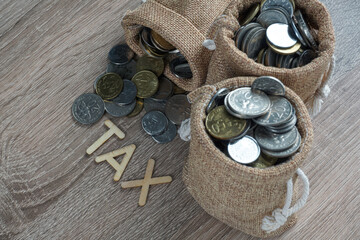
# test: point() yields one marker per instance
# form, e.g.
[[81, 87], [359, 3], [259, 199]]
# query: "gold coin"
[[285, 51], [155, 65], [109, 86], [159, 40], [264, 161], [138, 107], [221, 125], [146, 83], [252, 12]]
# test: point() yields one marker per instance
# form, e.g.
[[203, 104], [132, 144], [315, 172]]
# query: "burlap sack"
[[185, 24], [309, 81], [238, 195]]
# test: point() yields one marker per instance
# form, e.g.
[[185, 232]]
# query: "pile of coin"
[[254, 125], [274, 34], [156, 46], [127, 87]]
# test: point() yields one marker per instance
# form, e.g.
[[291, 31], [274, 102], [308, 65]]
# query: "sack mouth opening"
[[288, 166], [325, 41]]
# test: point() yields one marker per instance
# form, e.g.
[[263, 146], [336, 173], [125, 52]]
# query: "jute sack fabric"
[[309, 81], [185, 24], [238, 195]]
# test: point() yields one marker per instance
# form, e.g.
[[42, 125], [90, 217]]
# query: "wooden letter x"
[[120, 168], [112, 130], [146, 182]]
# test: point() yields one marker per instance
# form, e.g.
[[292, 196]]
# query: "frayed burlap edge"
[[210, 176]]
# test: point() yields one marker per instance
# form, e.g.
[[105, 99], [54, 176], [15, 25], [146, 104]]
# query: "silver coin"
[[168, 135], [280, 112], [242, 31], [257, 41], [268, 4], [295, 63], [128, 93], [248, 103], [290, 123], [274, 141], [180, 68], [217, 99], [304, 30], [271, 16], [297, 33], [286, 153], [117, 110], [270, 58], [280, 130], [152, 104], [281, 35], [306, 57], [165, 89], [154, 123], [177, 108], [97, 80], [269, 85], [114, 68], [130, 70], [245, 150], [247, 37], [120, 54], [88, 108], [287, 61]]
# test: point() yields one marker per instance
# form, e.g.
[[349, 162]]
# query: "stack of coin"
[[254, 125], [274, 35], [156, 46], [127, 87]]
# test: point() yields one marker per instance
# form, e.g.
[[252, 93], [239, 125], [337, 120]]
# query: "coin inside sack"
[[217, 99], [180, 68], [274, 132], [88, 108], [244, 150], [251, 14], [269, 85], [293, 37], [154, 123]]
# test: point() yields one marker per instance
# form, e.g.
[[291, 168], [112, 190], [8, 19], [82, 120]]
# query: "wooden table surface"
[[50, 53]]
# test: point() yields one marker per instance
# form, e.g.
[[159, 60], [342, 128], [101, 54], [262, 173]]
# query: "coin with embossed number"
[[128, 93], [168, 135], [279, 112], [273, 141], [244, 150], [221, 125], [269, 85], [88, 108], [154, 123], [117, 110], [177, 109], [155, 65], [109, 86], [120, 54], [248, 103], [285, 153], [146, 83]]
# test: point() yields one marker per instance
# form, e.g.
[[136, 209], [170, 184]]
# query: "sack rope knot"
[[280, 216]]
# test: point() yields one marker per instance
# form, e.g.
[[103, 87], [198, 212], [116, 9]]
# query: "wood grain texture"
[[51, 51]]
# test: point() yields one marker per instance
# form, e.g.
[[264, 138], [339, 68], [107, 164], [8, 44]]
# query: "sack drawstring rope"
[[280, 216]]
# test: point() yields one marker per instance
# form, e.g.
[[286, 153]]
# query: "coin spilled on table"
[[128, 86]]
